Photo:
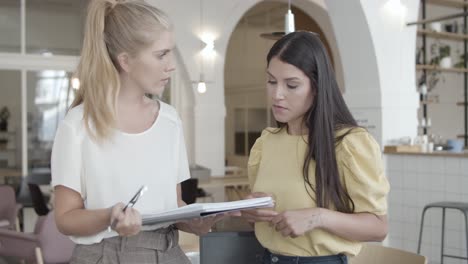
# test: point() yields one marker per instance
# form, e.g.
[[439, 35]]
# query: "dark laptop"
[[230, 248]]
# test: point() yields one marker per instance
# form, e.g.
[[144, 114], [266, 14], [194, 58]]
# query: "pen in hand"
[[131, 203]]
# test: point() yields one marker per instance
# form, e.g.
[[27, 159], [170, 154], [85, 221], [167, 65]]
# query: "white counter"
[[419, 179]]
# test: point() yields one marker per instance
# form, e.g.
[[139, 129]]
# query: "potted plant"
[[4, 116], [461, 62], [445, 61]]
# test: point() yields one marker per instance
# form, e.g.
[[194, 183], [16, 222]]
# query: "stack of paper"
[[205, 209]]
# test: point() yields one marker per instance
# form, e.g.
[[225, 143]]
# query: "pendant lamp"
[[288, 26]]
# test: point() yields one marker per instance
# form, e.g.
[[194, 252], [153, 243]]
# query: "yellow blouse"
[[275, 167]]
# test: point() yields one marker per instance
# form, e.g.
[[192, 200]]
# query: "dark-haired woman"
[[323, 170]]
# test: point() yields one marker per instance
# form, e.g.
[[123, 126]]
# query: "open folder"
[[205, 209]]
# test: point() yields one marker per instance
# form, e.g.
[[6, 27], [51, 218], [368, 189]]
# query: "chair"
[[23, 195], [463, 208], [9, 208], [203, 194], [190, 191], [31, 196], [38, 201], [372, 253], [45, 245]]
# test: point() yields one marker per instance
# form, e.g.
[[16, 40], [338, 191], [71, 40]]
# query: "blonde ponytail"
[[111, 27]]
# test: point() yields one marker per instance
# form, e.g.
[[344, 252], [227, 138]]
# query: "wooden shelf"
[[428, 102], [433, 154], [7, 150], [443, 35], [460, 136], [450, 3], [461, 103], [421, 67]]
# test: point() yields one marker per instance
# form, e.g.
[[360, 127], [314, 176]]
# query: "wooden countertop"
[[10, 172], [435, 154]]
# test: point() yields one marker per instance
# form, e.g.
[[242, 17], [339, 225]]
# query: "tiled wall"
[[417, 180]]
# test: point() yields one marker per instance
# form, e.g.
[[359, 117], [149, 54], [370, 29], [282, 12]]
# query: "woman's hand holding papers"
[[258, 215], [200, 226], [291, 223], [295, 223]]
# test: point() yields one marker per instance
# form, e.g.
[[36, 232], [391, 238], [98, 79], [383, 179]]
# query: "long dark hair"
[[327, 114]]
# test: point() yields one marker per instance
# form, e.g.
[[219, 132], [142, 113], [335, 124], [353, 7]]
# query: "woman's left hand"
[[295, 223]]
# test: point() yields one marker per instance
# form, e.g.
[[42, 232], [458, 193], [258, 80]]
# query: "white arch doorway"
[[245, 97], [350, 23]]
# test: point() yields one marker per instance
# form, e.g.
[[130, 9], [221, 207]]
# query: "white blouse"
[[111, 172]]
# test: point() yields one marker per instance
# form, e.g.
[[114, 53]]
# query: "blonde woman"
[[115, 139]]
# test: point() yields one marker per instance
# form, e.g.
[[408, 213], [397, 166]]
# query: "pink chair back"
[[56, 247], [8, 205]]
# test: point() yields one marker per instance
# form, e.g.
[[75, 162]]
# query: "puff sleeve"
[[362, 170], [255, 158]]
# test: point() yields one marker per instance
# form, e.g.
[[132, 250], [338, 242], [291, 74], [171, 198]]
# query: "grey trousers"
[[159, 246]]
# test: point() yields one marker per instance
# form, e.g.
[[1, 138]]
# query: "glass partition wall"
[[39, 50], [54, 27], [10, 26], [49, 95], [10, 118]]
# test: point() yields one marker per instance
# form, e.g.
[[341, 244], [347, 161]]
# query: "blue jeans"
[[271, 258]]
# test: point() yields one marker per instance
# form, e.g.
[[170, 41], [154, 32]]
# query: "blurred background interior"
[[401, 65]]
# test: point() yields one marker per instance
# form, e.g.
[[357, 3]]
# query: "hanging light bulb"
[[209, 49], [201, 86], [289, 21], [288, 26]]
